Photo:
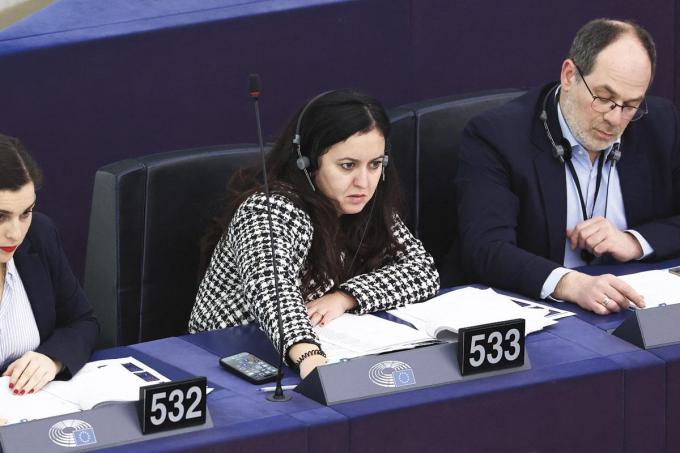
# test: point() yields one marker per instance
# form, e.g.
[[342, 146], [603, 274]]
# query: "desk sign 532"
[[172, 405], [490, 347]]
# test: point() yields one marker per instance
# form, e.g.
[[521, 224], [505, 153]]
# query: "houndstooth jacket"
[[238, 287]]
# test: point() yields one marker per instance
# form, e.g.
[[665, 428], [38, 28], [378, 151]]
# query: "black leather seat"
[[403, 156], [439, 124], [148, 215]]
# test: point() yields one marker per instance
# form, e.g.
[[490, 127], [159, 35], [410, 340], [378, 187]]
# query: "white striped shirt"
[[18, 330]]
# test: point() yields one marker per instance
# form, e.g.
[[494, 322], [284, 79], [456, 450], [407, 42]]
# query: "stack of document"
[[659, 287], [97, 382], [351, 336], [435, 320], [442, 316]]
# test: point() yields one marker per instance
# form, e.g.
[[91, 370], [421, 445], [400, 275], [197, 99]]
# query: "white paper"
[[470, 307], [15, 408], [97, 382], [351, 336], [658, 287]]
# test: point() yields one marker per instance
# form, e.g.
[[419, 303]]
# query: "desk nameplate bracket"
[[395, 372], [651, 327]]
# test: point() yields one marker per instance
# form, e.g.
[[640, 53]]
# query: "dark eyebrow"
[[615, 94], [382, 156], [2, 211]]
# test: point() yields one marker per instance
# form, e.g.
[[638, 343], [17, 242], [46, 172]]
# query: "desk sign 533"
[[490, 347], [172, 405]]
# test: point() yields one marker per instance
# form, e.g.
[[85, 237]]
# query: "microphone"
[[254, 91]]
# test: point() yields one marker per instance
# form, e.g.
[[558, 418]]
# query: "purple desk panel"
[[243, 419], [559, 405], [586, 391], [670, 355]]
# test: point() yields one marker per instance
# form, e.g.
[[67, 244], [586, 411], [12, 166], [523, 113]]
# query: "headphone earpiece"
[[561, 151], [302, 162], [615, 154], [386, 158]]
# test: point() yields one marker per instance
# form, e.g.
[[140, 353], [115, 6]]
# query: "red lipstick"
[[8, 249]]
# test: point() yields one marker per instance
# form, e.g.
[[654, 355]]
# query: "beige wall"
[[12, 11]]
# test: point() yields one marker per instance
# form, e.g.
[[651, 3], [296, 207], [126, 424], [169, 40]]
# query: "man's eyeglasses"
[[604, 105]]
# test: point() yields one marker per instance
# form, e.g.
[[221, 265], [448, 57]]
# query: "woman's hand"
[[30, 372], [308, 364], [327, 308]]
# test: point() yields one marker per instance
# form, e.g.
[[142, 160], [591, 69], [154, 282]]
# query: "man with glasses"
[[583, 171]]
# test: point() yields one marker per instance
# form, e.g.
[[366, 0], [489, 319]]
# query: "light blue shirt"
[[609, 195], [18, 330]]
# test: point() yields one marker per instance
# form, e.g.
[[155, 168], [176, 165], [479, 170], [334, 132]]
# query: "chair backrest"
[[403, 156], [148, 216], [439, 125]]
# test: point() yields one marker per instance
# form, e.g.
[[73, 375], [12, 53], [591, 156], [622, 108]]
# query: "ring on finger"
[[605, 301]]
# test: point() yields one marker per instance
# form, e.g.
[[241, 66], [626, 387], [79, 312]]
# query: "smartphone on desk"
[[249, 367], [675, 270]]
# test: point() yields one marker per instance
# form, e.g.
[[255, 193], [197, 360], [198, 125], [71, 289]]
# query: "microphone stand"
[[254, 92]]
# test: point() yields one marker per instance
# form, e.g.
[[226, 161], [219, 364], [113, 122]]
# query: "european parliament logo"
[[391, 373], [72, 433]]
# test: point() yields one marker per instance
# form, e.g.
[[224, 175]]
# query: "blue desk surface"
[[669, 355], [582, 381], [70, 21]]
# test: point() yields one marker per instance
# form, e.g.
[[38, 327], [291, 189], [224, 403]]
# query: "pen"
[[271, 389]]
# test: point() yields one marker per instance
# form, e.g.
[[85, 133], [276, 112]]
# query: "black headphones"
[[562, 150], [302, 162]]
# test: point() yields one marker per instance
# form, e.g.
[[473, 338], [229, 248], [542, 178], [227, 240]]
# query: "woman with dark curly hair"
[[341, 244]]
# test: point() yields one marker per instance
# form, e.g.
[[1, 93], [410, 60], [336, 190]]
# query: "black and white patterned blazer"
[[238, 287]]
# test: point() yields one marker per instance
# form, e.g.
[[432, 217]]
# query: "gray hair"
[[599, 33]]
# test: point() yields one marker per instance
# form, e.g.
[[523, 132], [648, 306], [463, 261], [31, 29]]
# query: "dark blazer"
[[66, 323], [512, 198]]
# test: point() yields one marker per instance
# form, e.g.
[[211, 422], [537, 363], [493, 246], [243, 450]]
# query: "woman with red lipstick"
[[341, 245], [47, 328]]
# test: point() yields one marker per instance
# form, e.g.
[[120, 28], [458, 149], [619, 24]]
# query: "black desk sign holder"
[[104, 426], [651, 327], [377, 375]]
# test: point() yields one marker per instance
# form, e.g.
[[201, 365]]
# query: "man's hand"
[[30, 372], [599, 236], [603, 294], [327, 308]]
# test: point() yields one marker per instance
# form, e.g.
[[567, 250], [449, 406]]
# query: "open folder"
[[437, 319], [350, 336], [96, 383], [444, 315]]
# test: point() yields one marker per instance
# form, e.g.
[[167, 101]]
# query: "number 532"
[[172, 405]]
